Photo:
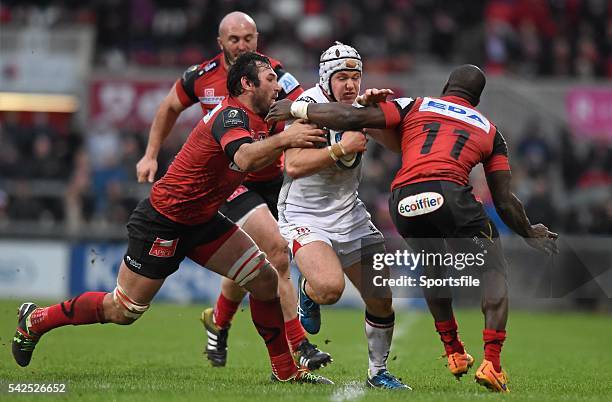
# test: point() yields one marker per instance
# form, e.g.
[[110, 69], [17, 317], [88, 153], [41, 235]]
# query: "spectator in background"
[[534, 150], [602, 225], [540, 206], [4, 202], [76, 200], [44, 164], [22, 206], [520, 36], [104, 147], [597, 169]]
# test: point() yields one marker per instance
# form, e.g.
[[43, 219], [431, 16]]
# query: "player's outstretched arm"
[[259, 154], [372, 96], [301, 162], [512, 212], [165, 118], [334, 115]]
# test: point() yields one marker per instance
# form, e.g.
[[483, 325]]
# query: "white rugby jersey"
[[327, 199]]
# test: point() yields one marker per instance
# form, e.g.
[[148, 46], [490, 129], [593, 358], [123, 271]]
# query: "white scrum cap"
[[339, 57]]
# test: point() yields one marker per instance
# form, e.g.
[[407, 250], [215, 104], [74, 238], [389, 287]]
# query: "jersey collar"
[[458, 100]]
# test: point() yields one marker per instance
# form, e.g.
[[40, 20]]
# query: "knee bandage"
[[131, 309], [247, 266]]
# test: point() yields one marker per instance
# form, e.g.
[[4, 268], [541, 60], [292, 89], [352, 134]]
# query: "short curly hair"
[[245, 66]]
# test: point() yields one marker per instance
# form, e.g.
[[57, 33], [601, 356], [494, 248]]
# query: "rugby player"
[[253, 205], [327, 226], [441, 140], [180, 219]]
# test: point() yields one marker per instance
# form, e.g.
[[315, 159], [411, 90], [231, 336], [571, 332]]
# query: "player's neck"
[[459, 97]]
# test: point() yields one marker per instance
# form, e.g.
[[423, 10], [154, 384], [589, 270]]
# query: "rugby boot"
[[309, 356], [459, 363], [304, 376], [496, 381], [309, 312], [216, 344], [24, 340], [385, 380]]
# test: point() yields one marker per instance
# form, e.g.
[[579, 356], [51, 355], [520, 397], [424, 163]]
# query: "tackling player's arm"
[[301, 162], [337, 116], [388, 138], [508, 206], [250, 156], [180, 97]]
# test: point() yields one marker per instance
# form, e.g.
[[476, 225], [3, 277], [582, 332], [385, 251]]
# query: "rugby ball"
[[350, 161]]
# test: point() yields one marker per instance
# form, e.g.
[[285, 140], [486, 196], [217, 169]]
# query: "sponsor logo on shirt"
[[455, 111], [420, 204], [210, 66], [209, 97]]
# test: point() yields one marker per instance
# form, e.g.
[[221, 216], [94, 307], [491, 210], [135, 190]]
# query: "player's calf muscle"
[[265, 285], [378, 306], [123, 309], [114, 312]]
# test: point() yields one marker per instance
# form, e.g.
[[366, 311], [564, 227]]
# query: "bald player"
[[432, 205], [253, 205]]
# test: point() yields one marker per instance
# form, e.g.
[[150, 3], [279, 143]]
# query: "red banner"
[[132, 104], [589, 112]]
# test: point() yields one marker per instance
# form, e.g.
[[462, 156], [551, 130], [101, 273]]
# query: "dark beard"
[[261, 106]]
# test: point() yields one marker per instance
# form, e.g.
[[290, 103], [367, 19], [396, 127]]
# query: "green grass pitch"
[[548, 356]]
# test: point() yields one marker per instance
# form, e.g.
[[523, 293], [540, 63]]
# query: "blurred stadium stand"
[[93, 73]]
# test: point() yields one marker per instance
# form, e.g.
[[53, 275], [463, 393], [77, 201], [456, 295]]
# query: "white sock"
[[379, 332]]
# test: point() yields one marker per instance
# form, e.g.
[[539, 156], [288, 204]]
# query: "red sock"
[[268, 319], [493, 342], [295, 333], [81, 310], [449, 336], [224, 311]]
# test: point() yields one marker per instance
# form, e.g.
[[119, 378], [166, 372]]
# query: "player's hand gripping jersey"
[[203, 174], [206, 84], [443, 139], [326, 199]]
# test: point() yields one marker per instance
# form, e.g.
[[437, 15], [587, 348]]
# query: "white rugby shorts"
[[362, 240]]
